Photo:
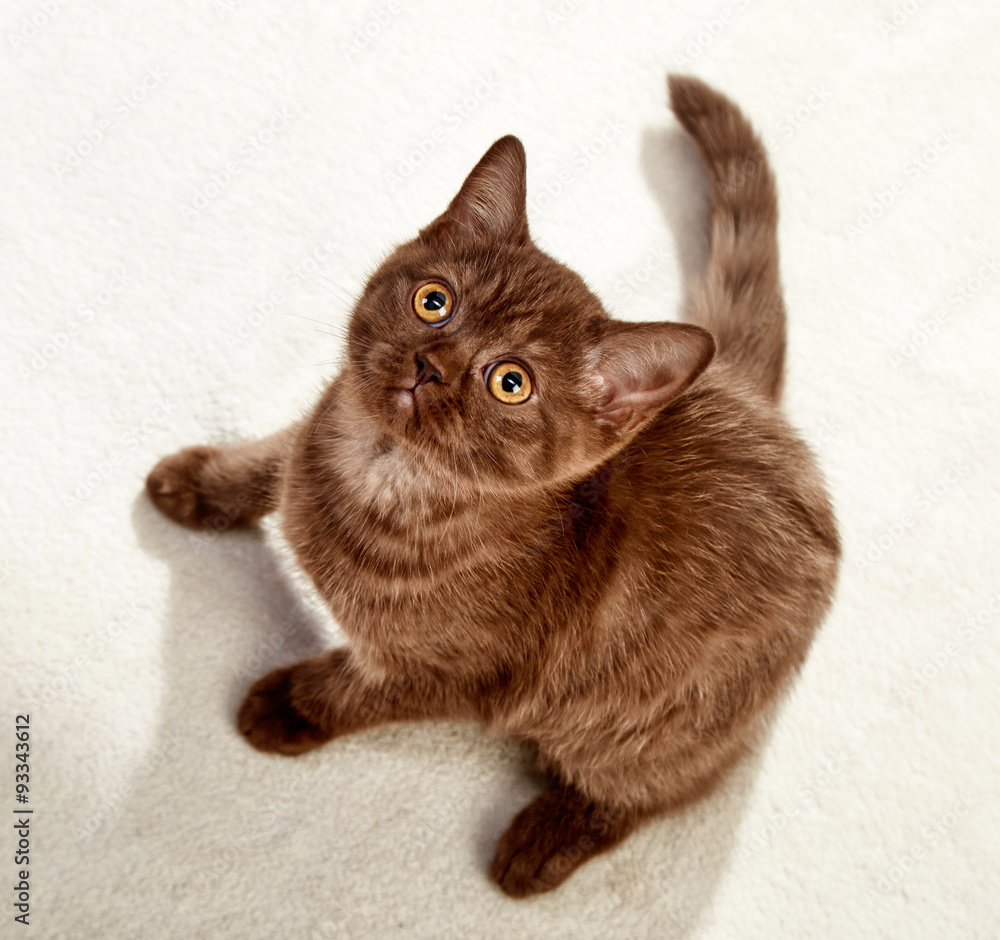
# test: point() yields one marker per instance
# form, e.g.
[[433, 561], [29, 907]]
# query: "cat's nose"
[[427, 370], [437, 364]]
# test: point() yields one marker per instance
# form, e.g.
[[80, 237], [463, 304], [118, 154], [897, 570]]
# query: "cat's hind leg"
[[552, 836], [221, 487]]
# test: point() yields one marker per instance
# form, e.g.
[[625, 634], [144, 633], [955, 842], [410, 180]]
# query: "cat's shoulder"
[[722, 430]]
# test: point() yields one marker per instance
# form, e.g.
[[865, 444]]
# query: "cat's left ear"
[[640, 367], [491, 203]]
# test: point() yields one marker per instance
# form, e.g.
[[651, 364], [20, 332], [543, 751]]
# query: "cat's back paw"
[[177, 487], [552, 836]]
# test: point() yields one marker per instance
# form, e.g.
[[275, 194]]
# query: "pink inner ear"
[[643, 366]]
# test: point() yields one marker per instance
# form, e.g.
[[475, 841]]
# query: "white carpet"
[[179, 176]]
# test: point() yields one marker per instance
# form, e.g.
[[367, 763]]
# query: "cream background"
[[131, 642]]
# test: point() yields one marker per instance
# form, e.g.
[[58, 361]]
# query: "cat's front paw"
[[177, 487], [270, 722]]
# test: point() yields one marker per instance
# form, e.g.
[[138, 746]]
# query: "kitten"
[[597, 536]]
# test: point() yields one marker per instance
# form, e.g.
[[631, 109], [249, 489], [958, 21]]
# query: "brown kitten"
[[584, 532]]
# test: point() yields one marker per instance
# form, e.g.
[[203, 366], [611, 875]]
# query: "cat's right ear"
[[490, 206], [637, 368]]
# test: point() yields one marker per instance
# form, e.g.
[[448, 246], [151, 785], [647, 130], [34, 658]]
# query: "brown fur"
[[624, 570]]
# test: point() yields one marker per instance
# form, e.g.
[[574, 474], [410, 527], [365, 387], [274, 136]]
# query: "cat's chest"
[[379, 532], [388, 483], [417, 567]]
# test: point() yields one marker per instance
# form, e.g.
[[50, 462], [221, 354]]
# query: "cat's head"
[[475, 347]]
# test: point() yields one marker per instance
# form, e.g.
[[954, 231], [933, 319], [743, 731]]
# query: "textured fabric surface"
[[188, 186]]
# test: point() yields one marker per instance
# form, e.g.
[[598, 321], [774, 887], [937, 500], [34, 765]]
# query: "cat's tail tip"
[[690, 97], [719, 128], [739, 299]]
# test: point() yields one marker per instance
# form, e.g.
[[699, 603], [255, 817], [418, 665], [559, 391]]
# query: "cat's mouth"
[[406, 398], [410, 394], [409, 401]]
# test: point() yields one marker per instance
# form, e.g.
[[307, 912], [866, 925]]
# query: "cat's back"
[[724, 505], [708, 550]]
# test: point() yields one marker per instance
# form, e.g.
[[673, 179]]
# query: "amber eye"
[[509, 382], [433, 303]]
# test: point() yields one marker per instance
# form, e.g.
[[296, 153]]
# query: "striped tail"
[[739, 297]]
